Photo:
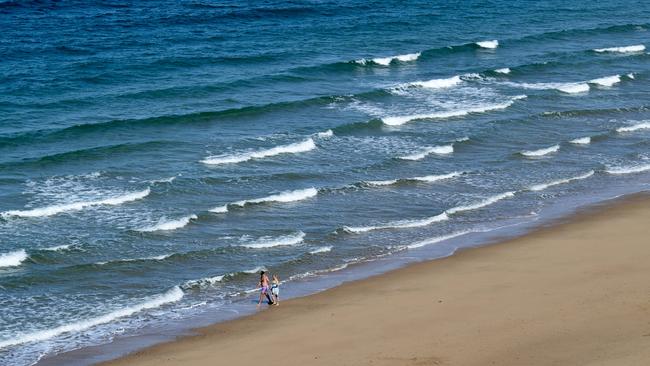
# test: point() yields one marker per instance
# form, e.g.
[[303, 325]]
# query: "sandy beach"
[[573, 293]]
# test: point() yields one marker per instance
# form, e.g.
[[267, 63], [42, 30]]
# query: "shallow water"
[[154, 156]]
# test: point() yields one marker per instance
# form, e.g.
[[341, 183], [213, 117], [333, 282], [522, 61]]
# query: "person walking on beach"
[[275, 290], [264, 288]]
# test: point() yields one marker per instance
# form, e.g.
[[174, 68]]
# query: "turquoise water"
[[155, 155]]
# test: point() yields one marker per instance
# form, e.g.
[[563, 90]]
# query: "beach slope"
[[574, 293]]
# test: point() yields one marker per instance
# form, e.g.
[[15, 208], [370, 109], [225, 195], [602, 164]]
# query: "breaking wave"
[[581, 141], [294, 148], [270, 242], [628, 169], [400, 120], [426, 178], [76, 206], [441, 150], [321, 250], [401, 224], [540, 187], [13, 259], [488, 44], [541, 152], [632, 128], [486, 202], [173, 295], [168, 225], [435, 240], [624, 49], [385, 61], [283, 197]]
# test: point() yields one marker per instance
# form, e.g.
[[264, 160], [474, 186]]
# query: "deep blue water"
[[154, 154]]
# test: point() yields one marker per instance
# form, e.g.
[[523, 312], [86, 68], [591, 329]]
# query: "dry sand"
[[576, 293]]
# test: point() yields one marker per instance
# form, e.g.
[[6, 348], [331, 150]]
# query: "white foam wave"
[[505, 70], [630, 75], [435, 240], [283, 197], [426, 178], [401, 224], [436, 83], [173, 295], [219, 209], [640, 126], [541, 152], [486, 202], [488, 44], [385, 61], [607, 80], [13, 259], [207, 281], [441, 150], [628, 169], [581, 141], [400, 120], [75, 206], [625, 49], [270, 242], [168, 225], [294, 148], [58, 248], [154, 258], [381, 182], [540, 187], [569, 88], [255, 270], [321, 250], [325, 134], [164, 180]]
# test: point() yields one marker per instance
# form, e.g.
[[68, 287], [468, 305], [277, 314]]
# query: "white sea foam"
[[207, 281], [628, 169], [486, 202], [168, 225], [321, 250], [164, 180], [581, 141], [219, 209], [254, 270], [607, 80], [173, 295], [569, 88], [488, 44], [435, 83], [287, 196], [505, 70], [154, 258], [630, 75], [75, 206], [325, 134], [427, 178], [385, 61], [13, 259], [625, 49], [400, 120], [441, 150], [632, 128], [541, 152], [270, 242], [58, 248], [401, 224], [435, 240], [540, 187], [295, 148]]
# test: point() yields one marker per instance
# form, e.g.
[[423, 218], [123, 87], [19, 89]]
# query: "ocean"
[[155, 155]]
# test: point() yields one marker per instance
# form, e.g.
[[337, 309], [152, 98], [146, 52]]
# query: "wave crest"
[[294, 148]]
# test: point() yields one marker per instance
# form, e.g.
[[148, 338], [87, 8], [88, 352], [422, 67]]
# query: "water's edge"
[[550, 217]]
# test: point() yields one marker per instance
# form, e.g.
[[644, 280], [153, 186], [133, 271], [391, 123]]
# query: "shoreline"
[[302, 319]]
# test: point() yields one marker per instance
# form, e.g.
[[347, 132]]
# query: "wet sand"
[[573, 293]]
